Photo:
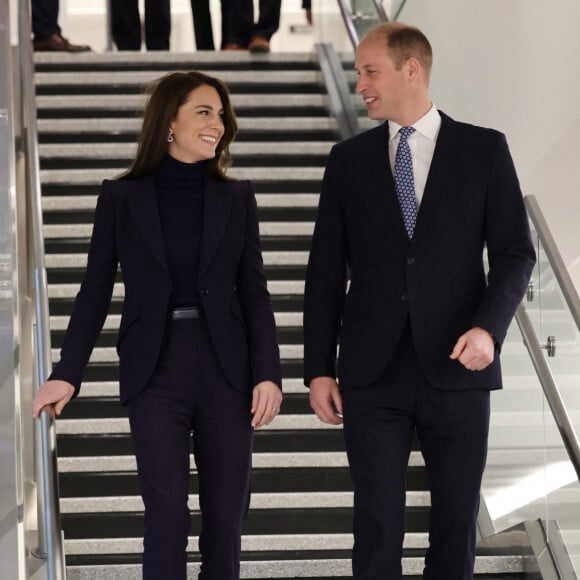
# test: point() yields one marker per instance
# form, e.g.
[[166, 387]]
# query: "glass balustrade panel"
[[559, 335], [513, 488]]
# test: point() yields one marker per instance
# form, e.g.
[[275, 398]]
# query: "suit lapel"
[[142, 204], [216, 212], [441, 167]]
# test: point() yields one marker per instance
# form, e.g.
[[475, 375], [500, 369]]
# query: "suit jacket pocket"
[[131, 314], [236, 310]]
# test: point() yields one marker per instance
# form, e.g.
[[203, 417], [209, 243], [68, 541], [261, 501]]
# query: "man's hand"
[[474, 349], [52, 394], [325, 400]]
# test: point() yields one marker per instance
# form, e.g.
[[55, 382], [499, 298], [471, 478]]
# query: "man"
[[406, 210], [47, 33]]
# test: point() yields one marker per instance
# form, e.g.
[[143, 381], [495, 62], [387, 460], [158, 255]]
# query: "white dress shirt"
[[422, 146]]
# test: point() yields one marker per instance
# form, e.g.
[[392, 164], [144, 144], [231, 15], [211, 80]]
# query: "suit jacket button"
[[204, 291], [410, 261], [404, 297]]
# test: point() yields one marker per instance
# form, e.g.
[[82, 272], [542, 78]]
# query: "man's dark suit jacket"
[[436, 281], [236, 302]]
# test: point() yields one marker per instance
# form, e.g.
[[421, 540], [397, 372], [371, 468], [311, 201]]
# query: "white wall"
[[515, 66]]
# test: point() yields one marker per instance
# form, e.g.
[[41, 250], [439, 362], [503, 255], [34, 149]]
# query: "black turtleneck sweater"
[[180, 188]]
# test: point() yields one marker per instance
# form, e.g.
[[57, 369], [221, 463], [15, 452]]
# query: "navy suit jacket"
[[436, 280], [235, 299]]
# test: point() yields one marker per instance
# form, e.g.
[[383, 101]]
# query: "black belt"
[[185, 313]]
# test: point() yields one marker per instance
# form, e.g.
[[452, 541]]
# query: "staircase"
[[300, 518]]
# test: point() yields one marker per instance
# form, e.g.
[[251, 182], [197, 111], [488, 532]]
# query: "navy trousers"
[[452, 426], [189, 393], [126, 24], [202, 25], [44, 18]]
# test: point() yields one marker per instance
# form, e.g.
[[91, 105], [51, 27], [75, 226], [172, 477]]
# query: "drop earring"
[[170, 136]]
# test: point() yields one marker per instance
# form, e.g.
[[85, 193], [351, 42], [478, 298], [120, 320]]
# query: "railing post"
[[109, 24]]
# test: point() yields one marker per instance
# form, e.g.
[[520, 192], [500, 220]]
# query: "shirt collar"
[[428, 125]]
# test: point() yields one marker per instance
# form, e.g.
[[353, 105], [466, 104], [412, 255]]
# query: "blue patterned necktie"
[[404, 182]]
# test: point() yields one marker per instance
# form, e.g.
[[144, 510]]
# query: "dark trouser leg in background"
[[157, 24], [202, 26], [125, 24], [44, 18]]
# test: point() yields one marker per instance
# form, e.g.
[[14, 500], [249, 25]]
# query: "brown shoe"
[[57, 43], [259, 44], [234, 46]]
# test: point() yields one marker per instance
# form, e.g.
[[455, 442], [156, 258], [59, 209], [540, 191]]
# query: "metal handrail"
[[338, 91], [348, 23], [550, 388], [401, 6], [380, 10], [50, 536], [554, 257]]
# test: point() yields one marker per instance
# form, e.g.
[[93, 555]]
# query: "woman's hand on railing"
[[55, 394]]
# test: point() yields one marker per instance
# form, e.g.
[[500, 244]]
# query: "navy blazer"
[[235, 299], [472, 198]]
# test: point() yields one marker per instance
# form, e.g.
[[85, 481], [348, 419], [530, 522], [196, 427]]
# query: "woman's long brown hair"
[[166, 95]]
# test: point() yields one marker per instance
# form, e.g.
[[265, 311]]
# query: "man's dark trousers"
[[452, 426]]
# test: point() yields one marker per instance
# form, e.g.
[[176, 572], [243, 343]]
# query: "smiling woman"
[[198, 126], [197, 346], [185, 102]]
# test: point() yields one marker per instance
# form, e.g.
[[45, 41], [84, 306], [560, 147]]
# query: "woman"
[[197, 342]]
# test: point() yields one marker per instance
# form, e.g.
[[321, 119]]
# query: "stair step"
[[322, 568], [109, 354], [291, 103], [163, 60], [259, 501], [120, 126], [139, 79], [111, 388], [94, 176], [127, 151], [266, 229], [275, 287], [265, 200], [250, 543], [293, 319]]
